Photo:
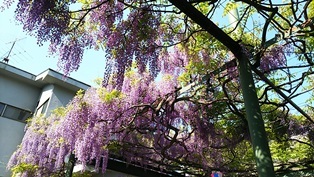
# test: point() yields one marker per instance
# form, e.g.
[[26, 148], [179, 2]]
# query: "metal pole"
[[253, 113], [258, 135]]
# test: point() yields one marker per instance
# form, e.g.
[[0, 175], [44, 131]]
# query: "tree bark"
[[70, 166]]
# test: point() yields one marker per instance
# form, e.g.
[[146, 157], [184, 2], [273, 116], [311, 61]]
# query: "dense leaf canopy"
[[171, 97]]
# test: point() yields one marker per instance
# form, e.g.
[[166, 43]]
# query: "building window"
[[2, 106], [42, 108], [15, 113]]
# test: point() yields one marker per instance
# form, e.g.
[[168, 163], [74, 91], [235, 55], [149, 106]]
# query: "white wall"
[[22, 95], [59, 97], [18, 93], [11, 135]]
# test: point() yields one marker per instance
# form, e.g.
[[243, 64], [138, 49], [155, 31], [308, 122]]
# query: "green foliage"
[[60, 111], [310, 9], [229, 7], [241, 157], [85, 1], [83, 174], [108, 96], [98, 82], [292, 151], [114, 147], [22, 167], [80, 93]]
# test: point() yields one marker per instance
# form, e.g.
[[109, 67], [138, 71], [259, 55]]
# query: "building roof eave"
[[48, 76]]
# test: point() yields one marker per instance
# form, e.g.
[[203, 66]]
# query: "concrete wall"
[[59, 97], [22, 95], [18, 93], [11, 135]]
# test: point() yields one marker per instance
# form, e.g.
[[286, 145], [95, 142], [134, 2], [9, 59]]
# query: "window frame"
[[17, 113], [42, 108]]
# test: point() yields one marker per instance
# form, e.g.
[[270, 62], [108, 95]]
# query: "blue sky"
[[27, 55]]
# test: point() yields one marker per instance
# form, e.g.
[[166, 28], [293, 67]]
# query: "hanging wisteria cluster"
[[275, 58], [167, 130], [141, 124], [69, 33], [129, 32], [140, 116], [146, 122]]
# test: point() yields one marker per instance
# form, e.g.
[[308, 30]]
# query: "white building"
[[23, 94]]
